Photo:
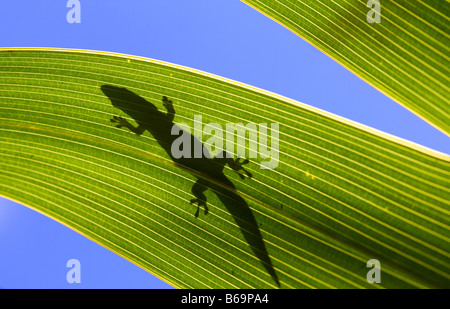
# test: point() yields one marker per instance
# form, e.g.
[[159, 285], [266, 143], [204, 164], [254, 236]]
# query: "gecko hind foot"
[[236, 165], [199, 202]]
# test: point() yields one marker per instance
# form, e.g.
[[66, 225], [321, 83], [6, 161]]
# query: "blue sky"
[[223, 37]]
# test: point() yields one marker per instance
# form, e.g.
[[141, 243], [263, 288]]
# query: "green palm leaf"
[[405, 55], [342, 193]]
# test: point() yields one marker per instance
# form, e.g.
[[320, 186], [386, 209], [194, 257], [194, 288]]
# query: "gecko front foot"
[[120, 122], [167, 103]]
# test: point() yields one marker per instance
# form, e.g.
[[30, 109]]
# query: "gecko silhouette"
[[208, 171]]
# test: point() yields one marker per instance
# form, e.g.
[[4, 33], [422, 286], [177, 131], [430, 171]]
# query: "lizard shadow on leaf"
[[208, 171]]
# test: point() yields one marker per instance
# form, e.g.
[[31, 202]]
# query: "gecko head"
[[123, 98], [127, 101], [111, 91]]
